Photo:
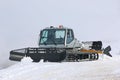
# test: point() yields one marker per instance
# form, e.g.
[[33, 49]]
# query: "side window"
[[70, 36], [44, 36]]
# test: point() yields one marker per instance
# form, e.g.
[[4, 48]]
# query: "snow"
[[102, 69], [26, 59]]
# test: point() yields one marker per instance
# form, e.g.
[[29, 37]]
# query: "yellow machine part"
[[92, 51]]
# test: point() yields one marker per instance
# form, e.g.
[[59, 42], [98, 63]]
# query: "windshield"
[[52, 36]]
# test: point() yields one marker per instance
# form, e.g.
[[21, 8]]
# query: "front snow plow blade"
[[36, 54], [17, 55]]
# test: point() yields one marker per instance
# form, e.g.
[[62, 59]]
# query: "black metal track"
[[81, 57]]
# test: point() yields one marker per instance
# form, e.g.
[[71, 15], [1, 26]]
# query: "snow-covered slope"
[[103, 69]]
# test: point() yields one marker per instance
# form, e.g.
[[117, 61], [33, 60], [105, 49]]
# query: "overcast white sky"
[[21, 20]]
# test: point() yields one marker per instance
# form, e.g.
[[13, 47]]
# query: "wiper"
[[44, 43], [53, 41]]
